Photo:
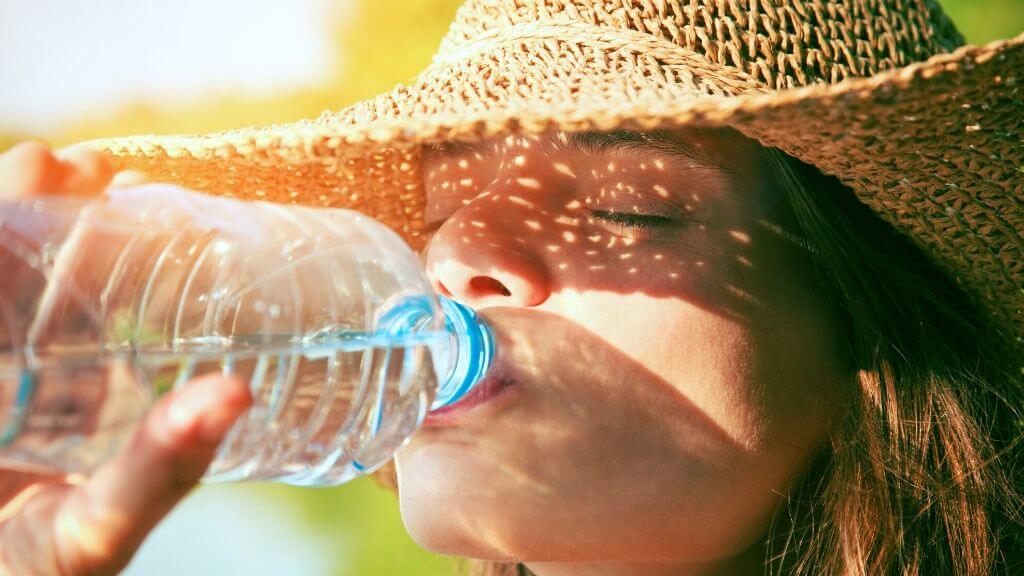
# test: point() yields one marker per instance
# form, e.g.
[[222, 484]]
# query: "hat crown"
[[779, 43]]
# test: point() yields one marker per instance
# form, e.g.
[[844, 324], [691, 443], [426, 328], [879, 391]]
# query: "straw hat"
[[880, 93]]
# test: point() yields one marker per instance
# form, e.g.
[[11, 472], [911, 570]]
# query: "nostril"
[[488, 285]]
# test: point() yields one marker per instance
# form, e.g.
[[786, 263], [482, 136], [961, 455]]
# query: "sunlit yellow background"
[[74, 70]]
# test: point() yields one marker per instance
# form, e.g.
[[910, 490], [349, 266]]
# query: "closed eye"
[[635, 226]]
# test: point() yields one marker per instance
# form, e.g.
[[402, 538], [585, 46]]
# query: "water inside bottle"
[[326, 406]]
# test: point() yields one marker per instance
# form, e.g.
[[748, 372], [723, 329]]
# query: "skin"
[[71, 526], [669, 382]]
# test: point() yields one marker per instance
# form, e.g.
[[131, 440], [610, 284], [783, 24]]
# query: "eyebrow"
[[655, 141]]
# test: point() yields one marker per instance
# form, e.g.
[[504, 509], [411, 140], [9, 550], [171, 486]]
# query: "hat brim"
[[935, 148]]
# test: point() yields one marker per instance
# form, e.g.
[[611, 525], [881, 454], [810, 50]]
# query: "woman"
[[715, 360]]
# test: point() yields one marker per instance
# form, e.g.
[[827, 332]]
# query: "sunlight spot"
[[533, 224], [478, 156], [568, 236], [590, 252], [596, 267], [673, 275], [564, 169], [625, 256], [743, 294], [563, 266], [566, 220], [741, 237], [463, 163], [699, 264], [444, 167], [573, 205], [519, 160], [445, 185], [466, 182], [520, 240], [632, 270], [643, 165], [628, 241], [465, 240], [528, 183], [611, 166], [464, 202], [553, 248], [594, 238], [659, 256], [744, 261], [661, 190], [659, 164], [521, 201], [695, 197], [611, 241], [478, 224]]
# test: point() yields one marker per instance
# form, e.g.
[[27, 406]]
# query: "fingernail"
[[129, 178]]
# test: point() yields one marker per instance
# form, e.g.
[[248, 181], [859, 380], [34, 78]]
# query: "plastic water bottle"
[[107, 303]]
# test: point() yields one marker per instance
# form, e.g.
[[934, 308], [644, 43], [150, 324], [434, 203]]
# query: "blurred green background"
[[352, 49]]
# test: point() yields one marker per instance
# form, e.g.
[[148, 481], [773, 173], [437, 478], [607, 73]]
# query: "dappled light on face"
[[637, 220], [624, 279]]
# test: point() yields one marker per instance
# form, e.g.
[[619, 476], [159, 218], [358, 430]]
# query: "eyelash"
[[632, 226], [641, 221]]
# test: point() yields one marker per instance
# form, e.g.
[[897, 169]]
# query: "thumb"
[[101, 523]]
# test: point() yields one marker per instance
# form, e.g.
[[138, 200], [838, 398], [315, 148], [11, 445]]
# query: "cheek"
[[700, 355], [645, 423]]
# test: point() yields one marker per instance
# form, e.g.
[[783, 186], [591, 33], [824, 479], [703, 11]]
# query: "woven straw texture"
[[880, 93]]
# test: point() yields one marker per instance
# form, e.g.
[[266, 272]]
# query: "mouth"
[[497, 385]]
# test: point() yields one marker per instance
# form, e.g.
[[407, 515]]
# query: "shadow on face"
[[665, 214], [669, 357]]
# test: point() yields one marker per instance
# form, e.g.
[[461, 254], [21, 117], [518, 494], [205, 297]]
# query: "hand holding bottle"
[[63, 525]]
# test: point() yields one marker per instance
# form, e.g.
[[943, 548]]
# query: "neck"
[[749, 563]]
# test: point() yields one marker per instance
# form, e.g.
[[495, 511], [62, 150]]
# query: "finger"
[[27, 169], [86, 172], [102, 523]]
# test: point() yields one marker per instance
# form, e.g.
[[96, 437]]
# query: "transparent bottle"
[[107, 303]]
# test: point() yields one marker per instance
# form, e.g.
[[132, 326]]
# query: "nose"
[[482, 268]]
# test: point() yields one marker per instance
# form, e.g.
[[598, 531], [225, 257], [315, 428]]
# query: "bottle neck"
[[464, 358], [472, 352]]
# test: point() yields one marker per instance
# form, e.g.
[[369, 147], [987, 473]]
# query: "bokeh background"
[[72, 70]]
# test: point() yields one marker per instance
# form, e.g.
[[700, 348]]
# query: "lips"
[[495, 384]]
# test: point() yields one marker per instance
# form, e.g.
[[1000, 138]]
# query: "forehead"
[[722, 153], [707, 158]]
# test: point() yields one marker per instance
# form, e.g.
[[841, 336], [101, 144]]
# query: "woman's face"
[[672, 366]]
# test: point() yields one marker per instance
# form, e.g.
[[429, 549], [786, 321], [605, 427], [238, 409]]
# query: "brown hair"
[[921, 477]]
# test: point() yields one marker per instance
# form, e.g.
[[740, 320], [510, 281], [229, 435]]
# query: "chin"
[[445, 527], [448, 510]]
